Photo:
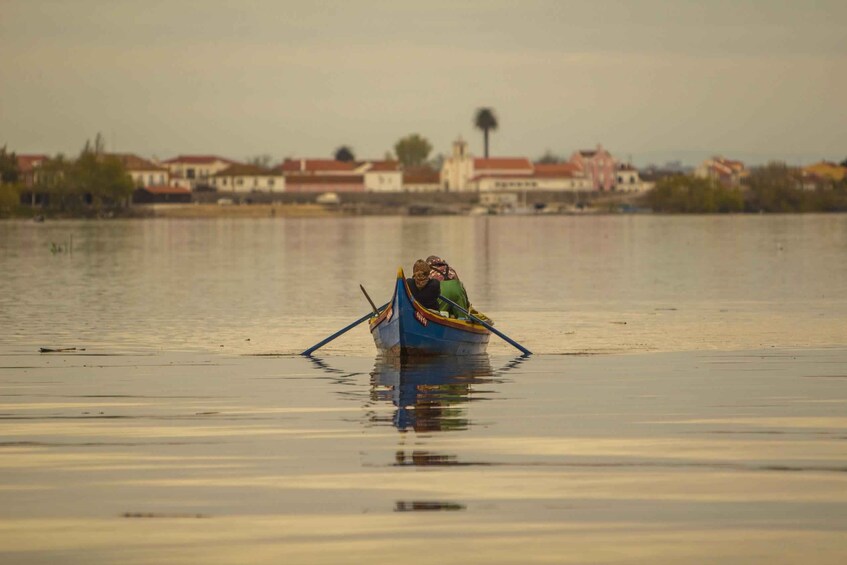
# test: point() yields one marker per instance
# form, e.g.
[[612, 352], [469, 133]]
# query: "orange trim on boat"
[[465, 325]]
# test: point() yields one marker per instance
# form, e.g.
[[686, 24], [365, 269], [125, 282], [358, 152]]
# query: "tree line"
[[91, 184], [775, 188]]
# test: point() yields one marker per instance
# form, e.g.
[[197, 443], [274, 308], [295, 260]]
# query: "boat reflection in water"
[[428, 393]]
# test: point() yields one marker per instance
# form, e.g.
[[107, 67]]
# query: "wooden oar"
[[365, 292], [341, 331], [488, 326]]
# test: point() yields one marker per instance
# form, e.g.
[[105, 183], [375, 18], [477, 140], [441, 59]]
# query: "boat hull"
[[405, 328]]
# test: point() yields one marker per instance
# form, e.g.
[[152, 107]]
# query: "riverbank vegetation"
[[93, 184], [775, 188], [9, 183], [683, 194]]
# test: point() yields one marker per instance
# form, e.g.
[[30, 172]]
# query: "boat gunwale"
[[462, 325]]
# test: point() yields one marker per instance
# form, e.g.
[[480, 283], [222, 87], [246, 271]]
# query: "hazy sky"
[[648, 79]]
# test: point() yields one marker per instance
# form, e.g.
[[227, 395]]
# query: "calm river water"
[[687, 402], [560, 284]]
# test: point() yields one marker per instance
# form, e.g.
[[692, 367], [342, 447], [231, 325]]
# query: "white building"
[[376, 176], [628, 180], [383, 176], [193, 170], [457, 168], [248, 178], [142, 171], [463, 172]]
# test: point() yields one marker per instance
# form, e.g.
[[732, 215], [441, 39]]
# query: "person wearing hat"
[[441, 271], [451, 286], [424, 289]]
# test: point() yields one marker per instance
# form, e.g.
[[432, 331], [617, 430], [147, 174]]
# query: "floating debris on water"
[[426, 506]]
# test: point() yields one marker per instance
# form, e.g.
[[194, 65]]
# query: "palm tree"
[[485, 120]]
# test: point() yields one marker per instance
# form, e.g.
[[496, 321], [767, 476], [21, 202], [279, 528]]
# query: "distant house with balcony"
[[192, 171], [248, 178], [726, 172], [598, 166]]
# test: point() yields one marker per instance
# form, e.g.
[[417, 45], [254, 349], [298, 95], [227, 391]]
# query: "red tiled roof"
[[199, 159], [132, 162], [555, 169], [502, 163], [314, 165], [725, 166], [421, 176], [26, 163], [729, 163], [162, 189], [380, 166], [239, 170], [324, 179]]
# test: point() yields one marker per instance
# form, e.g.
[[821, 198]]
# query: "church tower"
[[457, 168], [460, 148]]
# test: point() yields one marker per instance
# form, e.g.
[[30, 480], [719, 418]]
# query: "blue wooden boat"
[[405, 328]]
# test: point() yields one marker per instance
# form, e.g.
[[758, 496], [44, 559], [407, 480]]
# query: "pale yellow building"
[[826, 170]]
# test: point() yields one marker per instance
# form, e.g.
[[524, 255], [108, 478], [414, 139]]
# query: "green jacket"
[[455, 291]]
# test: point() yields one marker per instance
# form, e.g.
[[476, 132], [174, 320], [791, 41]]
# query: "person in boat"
[[440, 270], [424, 289], [451, 286]]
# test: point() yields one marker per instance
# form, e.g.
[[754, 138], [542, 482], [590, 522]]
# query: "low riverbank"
[[198, 210], [265, 205]]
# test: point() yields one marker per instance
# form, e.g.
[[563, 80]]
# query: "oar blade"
[[489, 327], [340, 332]]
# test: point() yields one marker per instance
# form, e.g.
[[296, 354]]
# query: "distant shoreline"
[[258, 206], [198, 210]]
